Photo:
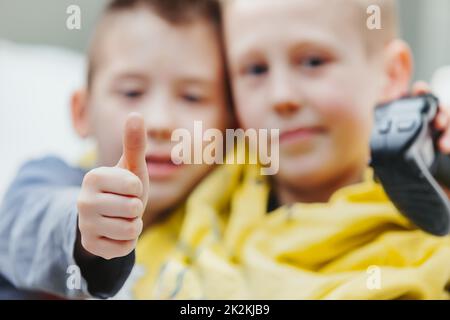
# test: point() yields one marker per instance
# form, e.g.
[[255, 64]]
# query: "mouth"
[[301, 134], [160, 167]]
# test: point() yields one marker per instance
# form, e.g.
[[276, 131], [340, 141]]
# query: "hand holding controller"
[[408, 163]]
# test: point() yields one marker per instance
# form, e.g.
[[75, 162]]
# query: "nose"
[[283, 96], [159, 117], [286, 108]]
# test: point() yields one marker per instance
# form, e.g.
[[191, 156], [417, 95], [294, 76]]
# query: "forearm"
[[39, 244], [38, 232]]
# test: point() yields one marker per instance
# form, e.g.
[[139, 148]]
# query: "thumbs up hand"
[[112, 200], [134, 149]]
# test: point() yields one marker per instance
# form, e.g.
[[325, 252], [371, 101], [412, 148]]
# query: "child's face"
[[302, 66], [172, 75]]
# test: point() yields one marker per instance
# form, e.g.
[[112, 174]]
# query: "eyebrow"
[[243, 52], [195, 81], [310, 45], [135, 78], [131, 75], [186, 81]]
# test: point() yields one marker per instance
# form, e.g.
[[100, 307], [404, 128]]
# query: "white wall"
[[425, 25], [44, 21]]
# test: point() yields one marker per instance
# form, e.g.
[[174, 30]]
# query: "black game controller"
[[407, 162]]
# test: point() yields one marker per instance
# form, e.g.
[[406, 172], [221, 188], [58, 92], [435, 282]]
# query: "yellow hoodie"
[[223, 244]]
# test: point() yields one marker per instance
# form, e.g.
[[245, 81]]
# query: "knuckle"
[[85, 227], [91, 178], [135, 207], [121, 249], [122, 252], [129, 230], [140, 227], [109, 255], [133, 185], [127, 247], [83, 204], [108, 250], [132, 229], [89, 245]]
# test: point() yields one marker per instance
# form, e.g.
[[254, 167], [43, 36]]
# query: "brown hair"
[[174, 11], [177, 12]]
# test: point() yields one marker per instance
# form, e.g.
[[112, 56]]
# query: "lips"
[[160, 166], [300, 134]]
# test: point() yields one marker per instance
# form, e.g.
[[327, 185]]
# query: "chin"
[[304, 170]]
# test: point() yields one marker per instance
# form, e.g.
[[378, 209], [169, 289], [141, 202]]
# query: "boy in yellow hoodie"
[[154, 66], [315, 70]]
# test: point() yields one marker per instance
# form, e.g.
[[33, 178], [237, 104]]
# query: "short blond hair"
[[389, 27], [376, 38]]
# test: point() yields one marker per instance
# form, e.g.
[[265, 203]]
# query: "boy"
[[312, 69], [315, 70], [55, 217]]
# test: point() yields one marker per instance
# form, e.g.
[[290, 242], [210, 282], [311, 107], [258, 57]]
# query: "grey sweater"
[[39, 239]]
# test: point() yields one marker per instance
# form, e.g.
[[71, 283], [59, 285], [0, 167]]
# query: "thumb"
[[134, 149]]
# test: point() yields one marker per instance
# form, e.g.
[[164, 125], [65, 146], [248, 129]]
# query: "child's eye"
[[133, 94], [256, 69], [192, 98], [313, 62]]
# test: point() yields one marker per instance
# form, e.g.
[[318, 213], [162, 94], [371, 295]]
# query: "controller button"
[[406, 125], [384, 126]]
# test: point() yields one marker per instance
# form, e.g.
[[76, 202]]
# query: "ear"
[[79, 111], [398, 66]]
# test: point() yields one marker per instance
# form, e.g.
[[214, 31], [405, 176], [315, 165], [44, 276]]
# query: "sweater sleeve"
[[39, 238]]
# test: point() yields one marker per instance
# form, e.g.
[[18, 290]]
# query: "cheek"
[[210, 117], [250, 108], [339, 111], [343, 105], [219, 117], [249, 117], [108, 123], [215, 114], [351, 128]]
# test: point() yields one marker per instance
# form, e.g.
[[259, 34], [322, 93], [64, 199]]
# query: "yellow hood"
[[223, 244]]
